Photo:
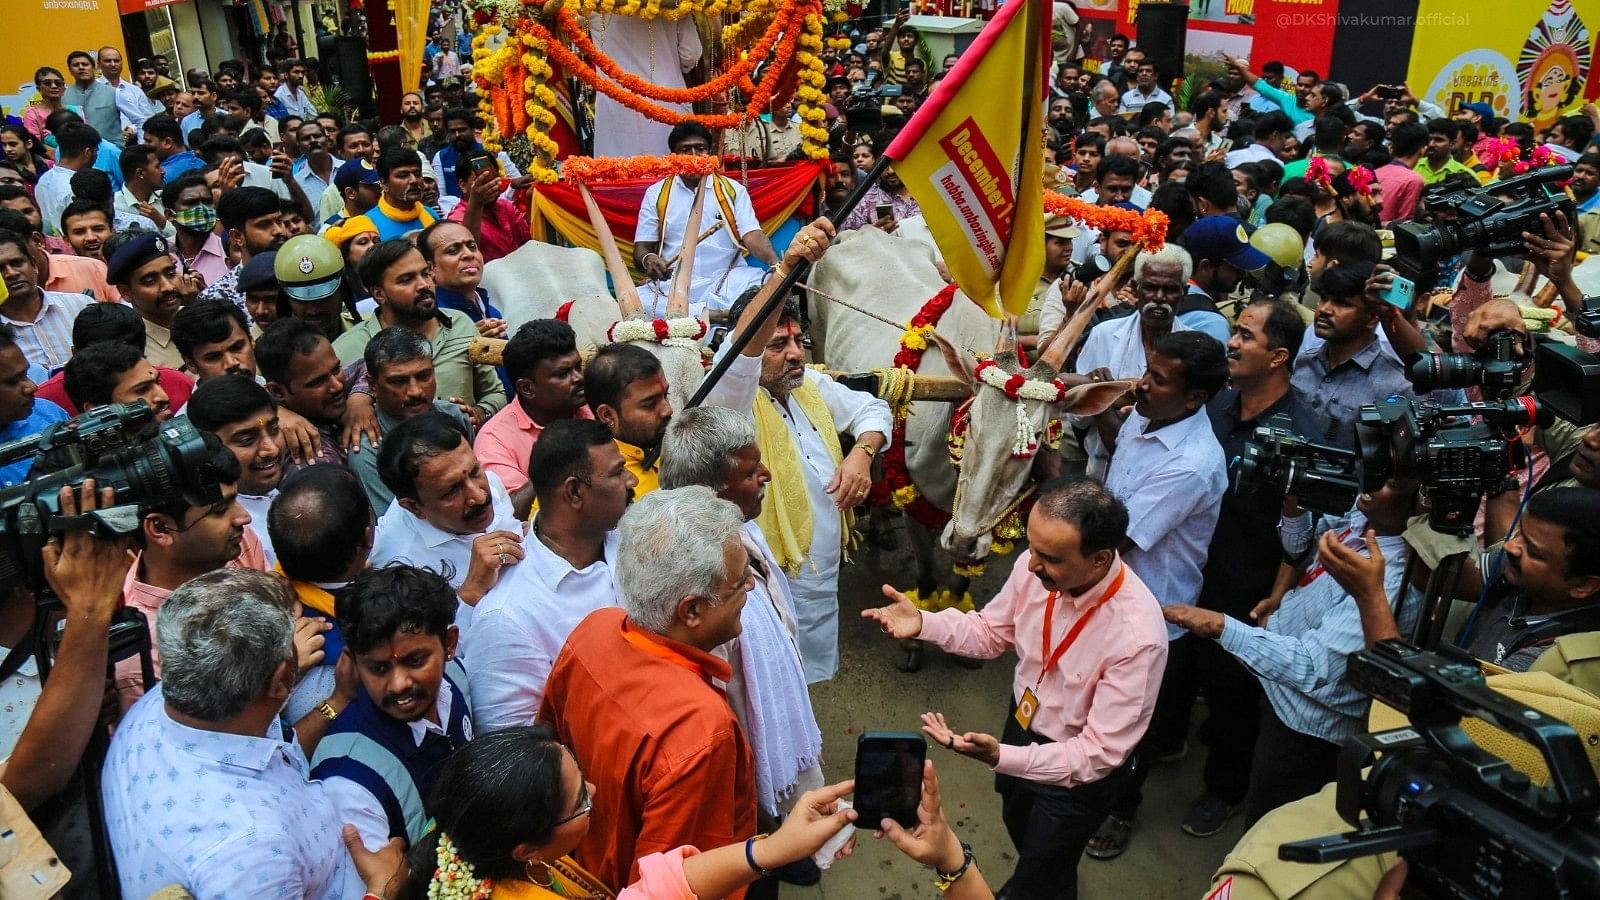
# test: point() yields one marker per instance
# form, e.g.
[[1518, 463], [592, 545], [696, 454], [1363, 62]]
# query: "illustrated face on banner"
[[1554, 63]]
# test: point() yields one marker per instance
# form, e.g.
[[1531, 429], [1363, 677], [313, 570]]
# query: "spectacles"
[[585, 805]]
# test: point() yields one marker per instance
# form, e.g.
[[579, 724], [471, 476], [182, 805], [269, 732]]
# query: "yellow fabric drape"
[[411, 31], [785, 518], [574, 226]]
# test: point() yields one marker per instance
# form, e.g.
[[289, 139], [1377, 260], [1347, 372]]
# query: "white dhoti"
[[706, 292], [658, 50], [721, 273]]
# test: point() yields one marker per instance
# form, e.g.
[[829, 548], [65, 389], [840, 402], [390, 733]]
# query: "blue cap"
[[1482, 109], [135, 253], [1223, 238], [258, 273], [354, 172]]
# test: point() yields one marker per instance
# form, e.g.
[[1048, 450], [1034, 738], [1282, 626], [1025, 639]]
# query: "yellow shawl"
[[568, 880], [308, 594], [785, 518]]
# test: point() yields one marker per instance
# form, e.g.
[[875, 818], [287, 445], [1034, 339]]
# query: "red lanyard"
[[1054, 656]]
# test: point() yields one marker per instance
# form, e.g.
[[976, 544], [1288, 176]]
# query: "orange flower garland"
[[585, 46], [760, 95], [589, 169], [1149, 229]]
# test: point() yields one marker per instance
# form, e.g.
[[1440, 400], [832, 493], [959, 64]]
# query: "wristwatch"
[[944, 880], [869, 451]]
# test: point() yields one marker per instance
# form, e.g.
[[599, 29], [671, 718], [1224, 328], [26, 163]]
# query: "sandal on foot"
[[1111, 838]]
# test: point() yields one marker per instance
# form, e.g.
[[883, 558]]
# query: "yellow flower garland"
[[487, 66], [810, 97], [651, 9], [540, 116]]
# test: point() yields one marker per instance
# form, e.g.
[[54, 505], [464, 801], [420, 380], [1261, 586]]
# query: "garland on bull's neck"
[[896, 487]]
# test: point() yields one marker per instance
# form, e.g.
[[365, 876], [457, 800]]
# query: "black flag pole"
[[741, 339]]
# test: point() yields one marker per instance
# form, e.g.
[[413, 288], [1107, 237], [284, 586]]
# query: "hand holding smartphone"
[[889, 777]]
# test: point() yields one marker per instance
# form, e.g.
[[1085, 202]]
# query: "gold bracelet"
[[780, 270], [326, 710]]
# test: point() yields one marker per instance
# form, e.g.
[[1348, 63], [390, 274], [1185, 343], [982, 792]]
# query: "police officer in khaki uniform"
[[1563, 682], [1059, 233]]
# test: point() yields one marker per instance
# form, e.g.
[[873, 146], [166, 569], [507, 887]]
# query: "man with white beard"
[[1118, 347]]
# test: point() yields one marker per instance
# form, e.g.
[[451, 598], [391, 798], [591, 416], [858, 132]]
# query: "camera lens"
[[1432, 371]]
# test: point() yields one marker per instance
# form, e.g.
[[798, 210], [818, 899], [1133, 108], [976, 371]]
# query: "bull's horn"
[[1006, 340], [678, 300], [628, 304]]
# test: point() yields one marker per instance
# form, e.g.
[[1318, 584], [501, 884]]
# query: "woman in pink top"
[[52, 87], [510, 807]]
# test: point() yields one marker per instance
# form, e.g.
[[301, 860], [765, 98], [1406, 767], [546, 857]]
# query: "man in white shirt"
[[76, 147], [1271, 131], [448, 515], [132, 102], [1169, 470], [1120, 346], [799, 414], [1145, 90], [244, 417], [290, 93], [522, 623], [244, 815], [720, 271], [39, 320]]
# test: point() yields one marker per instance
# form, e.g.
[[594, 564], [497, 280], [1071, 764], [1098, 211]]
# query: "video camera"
[[1323, 478], [1467, 823], [109, 445], [863, 111], [1489, 220], [1497, 367], [1456, 459]]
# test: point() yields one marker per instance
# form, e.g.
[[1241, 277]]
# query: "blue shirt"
[[109, 161], [43, 414], [475, 311], [180, 163]]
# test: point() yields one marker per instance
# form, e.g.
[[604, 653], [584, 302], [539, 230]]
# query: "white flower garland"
[[685, 332], [454, 879], [1018, 388]]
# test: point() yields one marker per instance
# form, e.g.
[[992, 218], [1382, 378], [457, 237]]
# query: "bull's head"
[[993, 471]]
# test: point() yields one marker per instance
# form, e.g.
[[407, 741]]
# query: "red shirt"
[[668, 760], [177, 385]]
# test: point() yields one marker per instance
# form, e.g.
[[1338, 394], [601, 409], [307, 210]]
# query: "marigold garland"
[[590, 169], [1149, 228], [813, 115], [896, 486], [485, 71]]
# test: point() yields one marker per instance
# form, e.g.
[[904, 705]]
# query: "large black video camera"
[[1490, 220], [1456, 458], [1322, 477], [1467, 823], [108, 444]]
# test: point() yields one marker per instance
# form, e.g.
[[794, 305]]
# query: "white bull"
[[537, 279], [894, 278]]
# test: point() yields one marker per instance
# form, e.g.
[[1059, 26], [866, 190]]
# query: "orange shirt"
[[668, 760], [80, 275]]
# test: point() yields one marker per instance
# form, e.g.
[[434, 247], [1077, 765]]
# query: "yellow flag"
[[972, 157]]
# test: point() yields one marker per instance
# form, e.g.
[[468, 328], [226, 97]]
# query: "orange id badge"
[[1027, 708]]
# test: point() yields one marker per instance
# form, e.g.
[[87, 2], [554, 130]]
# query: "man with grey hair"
[[716, 447], [1117, 348], [244, 813], [635, 693], [400, 371]]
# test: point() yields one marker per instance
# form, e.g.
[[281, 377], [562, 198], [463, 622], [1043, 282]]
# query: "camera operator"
[[1551, 255], [56, 720], [1299, 647], [1548, 586]]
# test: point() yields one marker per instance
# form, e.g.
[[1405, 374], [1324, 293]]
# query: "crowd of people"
[[457, 627]]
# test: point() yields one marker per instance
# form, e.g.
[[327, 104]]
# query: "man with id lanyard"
[[1091, 647]]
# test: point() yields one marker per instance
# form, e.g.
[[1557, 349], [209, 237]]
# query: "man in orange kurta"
[[641, 710]]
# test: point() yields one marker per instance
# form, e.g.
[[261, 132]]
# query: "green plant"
[[330, 98]]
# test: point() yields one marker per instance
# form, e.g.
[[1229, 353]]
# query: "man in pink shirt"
[[1402, 187], [178, 542], [1091, 646], [546, 374]]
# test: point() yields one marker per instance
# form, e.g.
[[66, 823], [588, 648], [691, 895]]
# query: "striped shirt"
[[47, 340], [1301, 654]]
